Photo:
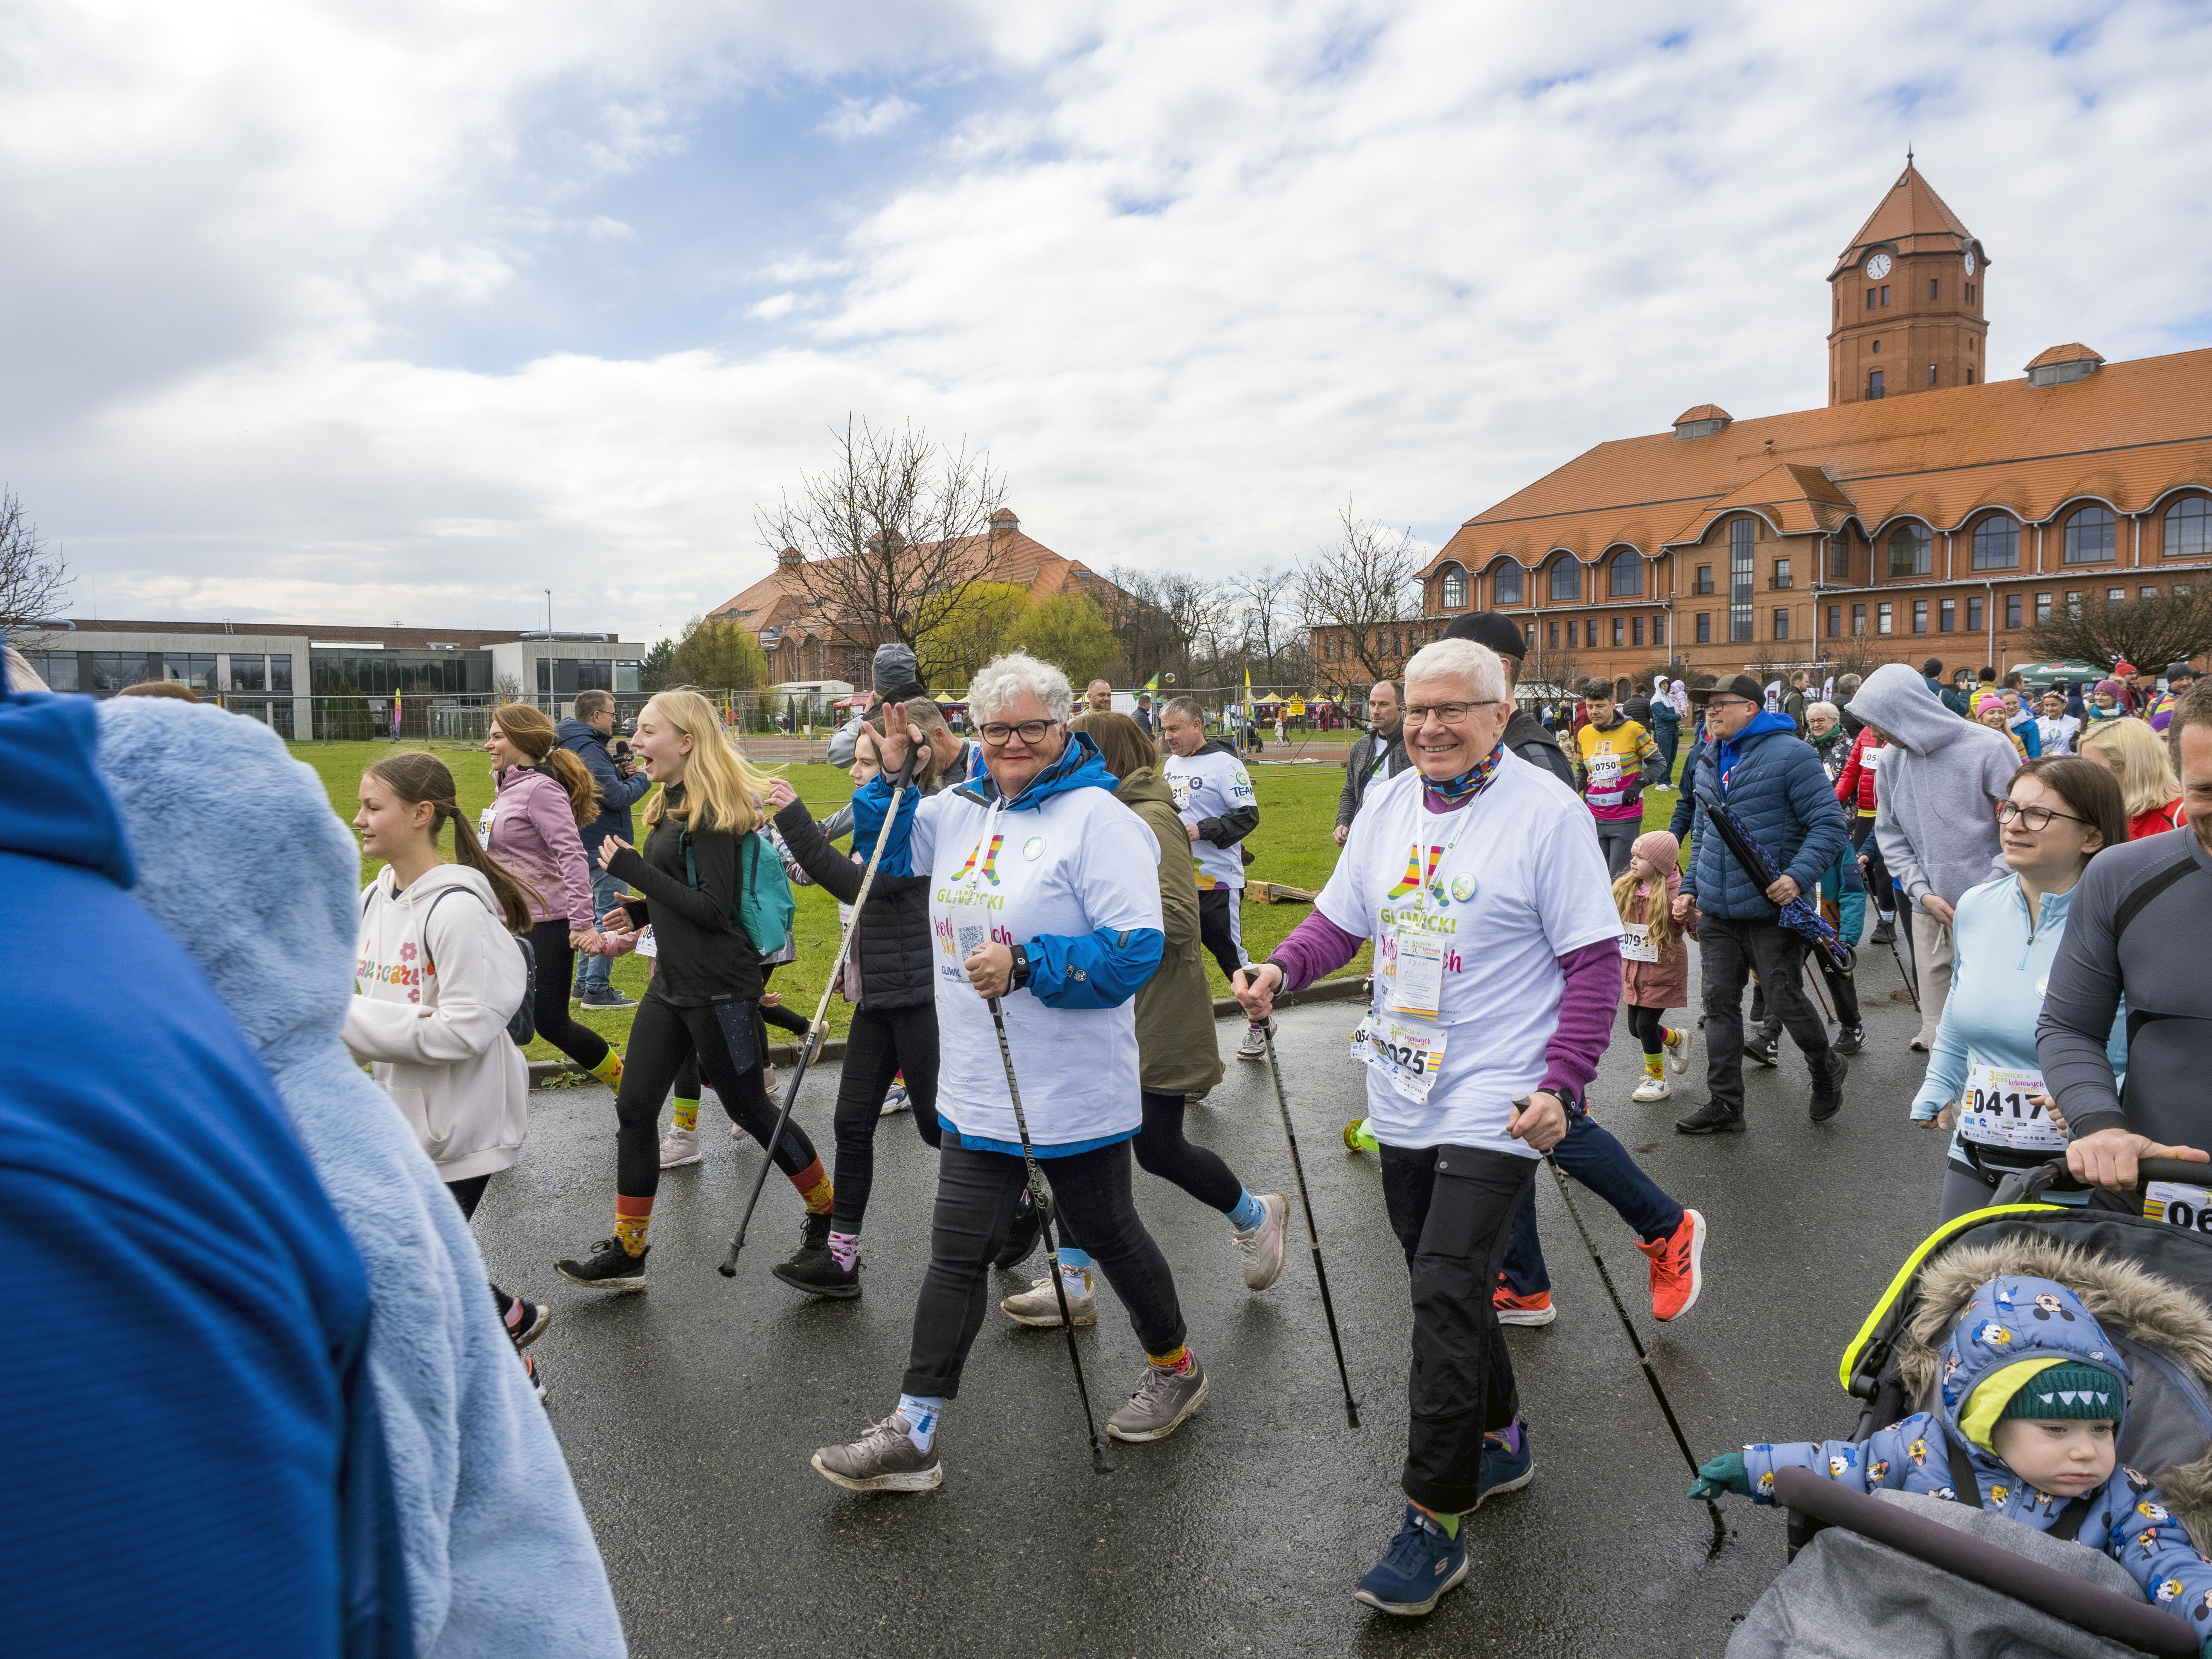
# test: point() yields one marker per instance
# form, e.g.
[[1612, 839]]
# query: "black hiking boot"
[[1021, 1235], [1710, 1119], [812, 1269], [609, 1267], [1828, 1099]]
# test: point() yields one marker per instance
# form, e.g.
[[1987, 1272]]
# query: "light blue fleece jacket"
[[2000, 964], [242, 861]]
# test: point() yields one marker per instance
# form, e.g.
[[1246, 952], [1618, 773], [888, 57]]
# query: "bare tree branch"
[[2149, 633], [34, 578], [891, 536], [1366, 580]]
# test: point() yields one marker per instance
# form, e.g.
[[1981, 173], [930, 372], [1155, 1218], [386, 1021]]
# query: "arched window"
[[1627, 572], [2091, 537], [1455, 586], [1566, 578], [1910, 552], [1996, 543], [1505, 585], [2189, 529]]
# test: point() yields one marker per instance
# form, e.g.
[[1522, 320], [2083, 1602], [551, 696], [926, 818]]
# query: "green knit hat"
[[2077, 1389]]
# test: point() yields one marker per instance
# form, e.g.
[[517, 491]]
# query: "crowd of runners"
[[245, 1227]]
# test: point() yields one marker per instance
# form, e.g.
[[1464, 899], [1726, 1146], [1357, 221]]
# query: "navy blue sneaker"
[[1509, 1463], [1415, 1571]]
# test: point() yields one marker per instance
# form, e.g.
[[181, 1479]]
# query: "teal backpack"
[[763, 908]]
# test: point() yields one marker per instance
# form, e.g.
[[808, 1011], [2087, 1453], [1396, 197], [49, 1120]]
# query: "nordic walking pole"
[[1813, 983], [1643, 1357], [819, 1031], [1312, 1239], [1042, 1200], [1904, 972]]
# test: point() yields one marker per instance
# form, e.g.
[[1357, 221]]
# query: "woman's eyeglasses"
[[2032, 818], [994, 735]]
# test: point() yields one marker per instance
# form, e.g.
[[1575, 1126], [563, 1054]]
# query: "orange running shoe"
[[1536, 1309], [1677, 1274]]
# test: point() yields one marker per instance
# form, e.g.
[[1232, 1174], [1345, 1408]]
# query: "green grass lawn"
[[1297, 809]]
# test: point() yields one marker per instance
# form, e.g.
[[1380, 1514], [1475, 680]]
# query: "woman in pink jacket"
[[532, 827]]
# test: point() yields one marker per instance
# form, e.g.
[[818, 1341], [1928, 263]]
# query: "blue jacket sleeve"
[[2150, 1544], [1886, 1458], [1092, 971], [2030, 738], [616, 793], [869, 803], [1813, 798]]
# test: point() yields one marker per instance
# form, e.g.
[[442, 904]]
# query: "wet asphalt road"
[[689, 1411]]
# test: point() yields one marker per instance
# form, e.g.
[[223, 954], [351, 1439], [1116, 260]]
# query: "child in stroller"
[[2032, 1395]]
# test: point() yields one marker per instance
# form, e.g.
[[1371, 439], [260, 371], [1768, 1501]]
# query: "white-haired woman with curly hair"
[[1043, 891]]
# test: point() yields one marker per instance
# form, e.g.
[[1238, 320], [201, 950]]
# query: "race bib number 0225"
[[1408, 1056]]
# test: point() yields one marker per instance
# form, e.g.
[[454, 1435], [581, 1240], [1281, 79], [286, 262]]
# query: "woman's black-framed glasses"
[[994, 735], [2032, 818]]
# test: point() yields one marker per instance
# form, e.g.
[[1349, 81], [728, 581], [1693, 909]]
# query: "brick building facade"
[[1926, 512]]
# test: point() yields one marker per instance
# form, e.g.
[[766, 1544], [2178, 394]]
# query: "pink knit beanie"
[[1659, 849]]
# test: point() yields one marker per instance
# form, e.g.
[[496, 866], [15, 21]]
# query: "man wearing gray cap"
[[897, 677]]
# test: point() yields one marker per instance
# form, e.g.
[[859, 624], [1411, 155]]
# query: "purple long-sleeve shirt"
[[1317, 947]]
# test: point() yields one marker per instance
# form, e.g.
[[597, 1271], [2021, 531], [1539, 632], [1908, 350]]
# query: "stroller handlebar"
[[2085, 1606], [2028, 1186]]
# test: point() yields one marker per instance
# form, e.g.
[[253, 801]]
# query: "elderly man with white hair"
[[1496, 971], [1044, 891]]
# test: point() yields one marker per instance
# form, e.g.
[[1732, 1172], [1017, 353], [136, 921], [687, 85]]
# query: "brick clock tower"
[[1909, 311]]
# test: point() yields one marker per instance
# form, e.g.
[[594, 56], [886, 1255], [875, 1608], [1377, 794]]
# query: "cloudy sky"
[[407, 313]]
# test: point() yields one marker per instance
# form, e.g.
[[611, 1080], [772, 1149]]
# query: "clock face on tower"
[[1877, 267], [1970, 262]]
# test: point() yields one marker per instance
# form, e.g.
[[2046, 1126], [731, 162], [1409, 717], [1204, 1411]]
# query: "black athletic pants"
[[976, 1192], [548, 943], [687, 1074], [1218, 931], [468, 1193], [1161, 1150], [727, 1037], [1452, 1208], [880, 1044], [1729, 950]]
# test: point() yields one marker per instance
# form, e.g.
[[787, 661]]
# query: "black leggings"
[[557, 962], [1162, 1151], [880, 1044], [727, 1037], [687, 1074], [468, 1193], [976, 1192], [1649, 1027]]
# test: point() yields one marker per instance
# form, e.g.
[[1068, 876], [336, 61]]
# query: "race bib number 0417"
[[1999, 1109]]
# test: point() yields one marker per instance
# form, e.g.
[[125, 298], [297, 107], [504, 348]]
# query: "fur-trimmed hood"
[[2149, 1317]]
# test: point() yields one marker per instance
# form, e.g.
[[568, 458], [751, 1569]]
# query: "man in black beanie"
[[1524, 734]]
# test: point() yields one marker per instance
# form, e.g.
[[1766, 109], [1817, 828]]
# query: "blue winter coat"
[[2008, 1321], [1777, 786], [499, 1557], [184, 1371], [618, 794]]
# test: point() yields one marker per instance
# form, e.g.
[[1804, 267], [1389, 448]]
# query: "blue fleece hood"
[[55, 805], [2009, 1321], [1731, 750], [1079, 767]]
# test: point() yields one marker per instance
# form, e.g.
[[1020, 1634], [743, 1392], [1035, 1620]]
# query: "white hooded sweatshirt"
[[431, 1015]]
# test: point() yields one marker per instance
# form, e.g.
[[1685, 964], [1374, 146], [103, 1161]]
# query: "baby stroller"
[[1901, 1574]]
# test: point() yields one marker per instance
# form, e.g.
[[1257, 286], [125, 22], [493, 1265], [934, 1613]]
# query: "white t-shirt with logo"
[[1210, 784], [2057, 734], [1523, 885], [1080, 862]]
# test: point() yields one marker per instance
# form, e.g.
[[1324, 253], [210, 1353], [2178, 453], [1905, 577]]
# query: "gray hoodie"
[[1938, 789]]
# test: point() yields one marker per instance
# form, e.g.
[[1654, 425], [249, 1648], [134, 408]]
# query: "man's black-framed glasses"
[[995, 734]]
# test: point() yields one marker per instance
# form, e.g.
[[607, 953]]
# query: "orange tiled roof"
[[2127, 434], [1703, 412], [1912, 217], [2074, 352]]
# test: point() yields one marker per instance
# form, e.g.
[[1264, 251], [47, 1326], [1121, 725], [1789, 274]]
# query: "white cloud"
[[1193, 276], [856, 117], [604, 229]]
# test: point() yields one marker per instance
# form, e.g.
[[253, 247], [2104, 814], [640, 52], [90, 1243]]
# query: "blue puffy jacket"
[[618, 794], [2013, 1322], [1777, 786]]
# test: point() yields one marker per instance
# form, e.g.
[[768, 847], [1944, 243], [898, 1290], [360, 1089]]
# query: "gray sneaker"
[[1037, 1305], [608, 1000], [882, 1459], [1260, 1247], [1254, 1046], [1161, 1404]]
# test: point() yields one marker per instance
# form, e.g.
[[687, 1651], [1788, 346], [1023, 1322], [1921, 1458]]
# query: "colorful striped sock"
[[1654, 1064], [632, 1216], [1179, 1362], [687, 1114], [814, 1187]]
